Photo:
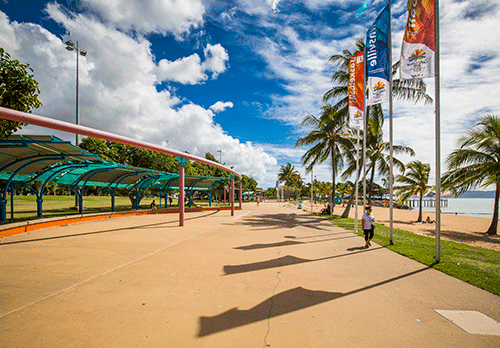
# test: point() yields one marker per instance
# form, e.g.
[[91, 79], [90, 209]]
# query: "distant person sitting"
[[429, 221], [153, 205]]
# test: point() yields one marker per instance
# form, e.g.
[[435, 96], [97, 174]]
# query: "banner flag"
[[377, 59], [417, 51], [355, 90], [363, 8]]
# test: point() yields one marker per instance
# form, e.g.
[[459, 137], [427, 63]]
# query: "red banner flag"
[[355, 89], [417, 51]]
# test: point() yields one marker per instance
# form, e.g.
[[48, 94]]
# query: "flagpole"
[[357, 181], [391, 140], [365, 127], [438, 132]]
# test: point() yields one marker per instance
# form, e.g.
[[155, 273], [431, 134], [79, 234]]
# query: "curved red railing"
[[18, 116]]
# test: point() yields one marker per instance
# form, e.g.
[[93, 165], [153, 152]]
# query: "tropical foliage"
[[327, 142], [133, 156], [18, 90], [476, 162], [414, 182], [291, 178], [377, 150]]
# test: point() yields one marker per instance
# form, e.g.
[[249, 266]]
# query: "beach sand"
[[464, 229]]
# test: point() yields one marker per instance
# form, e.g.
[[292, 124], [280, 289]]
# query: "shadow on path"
[[281, 262], [286, 302], [320, 235], [282, 220], [287, 243], [155, 225]]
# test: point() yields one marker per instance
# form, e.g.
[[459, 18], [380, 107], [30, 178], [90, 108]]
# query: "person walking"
[[368, 226]]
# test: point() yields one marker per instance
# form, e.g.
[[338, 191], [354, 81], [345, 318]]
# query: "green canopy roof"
[[44, 158]]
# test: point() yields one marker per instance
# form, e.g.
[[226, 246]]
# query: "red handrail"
[[18, 116]]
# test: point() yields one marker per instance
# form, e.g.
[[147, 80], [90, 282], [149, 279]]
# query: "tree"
[[412, 90], [377, 154], [414, 183], [18, 91], [476, 163], [328, 142], [290, 177]]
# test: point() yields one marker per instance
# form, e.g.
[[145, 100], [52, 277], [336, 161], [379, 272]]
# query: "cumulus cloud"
[[221, 106], [470, 62], [118, 89], [191, 70], [163, 16], [296, 52]]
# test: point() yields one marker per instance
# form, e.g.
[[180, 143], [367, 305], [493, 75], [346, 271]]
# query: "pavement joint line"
[[237, 217], [102, 274], [271, 309]]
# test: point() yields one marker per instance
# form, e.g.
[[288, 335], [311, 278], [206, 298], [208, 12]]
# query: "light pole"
[[220, 156], [71, 46]]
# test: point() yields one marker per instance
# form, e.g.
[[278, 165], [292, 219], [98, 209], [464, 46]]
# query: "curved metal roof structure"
[[43, 158], [71, 166], [41, 121]]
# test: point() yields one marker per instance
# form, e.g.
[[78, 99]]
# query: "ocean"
[[478, 207]]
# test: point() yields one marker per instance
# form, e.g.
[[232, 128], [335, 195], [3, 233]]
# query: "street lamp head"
[[83, 53], [70, 45]]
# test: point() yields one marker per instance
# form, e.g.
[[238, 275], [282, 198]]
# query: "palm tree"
[[477, 162], [289, 175], [328, 144], [413, 90], [377, 154], [414, 183]]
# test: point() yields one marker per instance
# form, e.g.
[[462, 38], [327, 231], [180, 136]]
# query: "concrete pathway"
[[270, 276]]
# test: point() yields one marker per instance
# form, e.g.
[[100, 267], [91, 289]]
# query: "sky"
[[236, 78]]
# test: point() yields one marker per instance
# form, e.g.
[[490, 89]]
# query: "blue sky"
[[240, 75]]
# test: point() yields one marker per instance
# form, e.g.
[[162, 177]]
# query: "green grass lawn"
[[54, 206], [474, 265]]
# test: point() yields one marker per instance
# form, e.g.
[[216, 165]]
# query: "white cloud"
[[469, 65], [216, 58], [161, 16], [221, 106], [118, 90], [191, 70], [274, 4]]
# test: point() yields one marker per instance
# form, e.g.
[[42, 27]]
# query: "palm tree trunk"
[[347, 209], [494, 222], [420, 208]]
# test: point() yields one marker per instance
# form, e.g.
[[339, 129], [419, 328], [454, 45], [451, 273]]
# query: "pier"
[[430, 203]]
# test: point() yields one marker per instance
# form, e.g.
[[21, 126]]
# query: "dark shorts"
[[369, 234]]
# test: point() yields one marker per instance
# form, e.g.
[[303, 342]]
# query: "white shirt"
[[367, 221]]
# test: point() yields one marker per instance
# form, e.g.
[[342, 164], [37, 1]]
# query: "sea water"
[[478, 207]]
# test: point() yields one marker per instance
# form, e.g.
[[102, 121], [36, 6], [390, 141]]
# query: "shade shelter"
[[36, 160], [18, 116]]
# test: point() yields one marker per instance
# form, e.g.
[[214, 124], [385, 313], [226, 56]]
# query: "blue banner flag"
[[363, 8], [377, 59]]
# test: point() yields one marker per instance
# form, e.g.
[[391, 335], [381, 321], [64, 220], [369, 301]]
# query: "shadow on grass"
[[286, 302]]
